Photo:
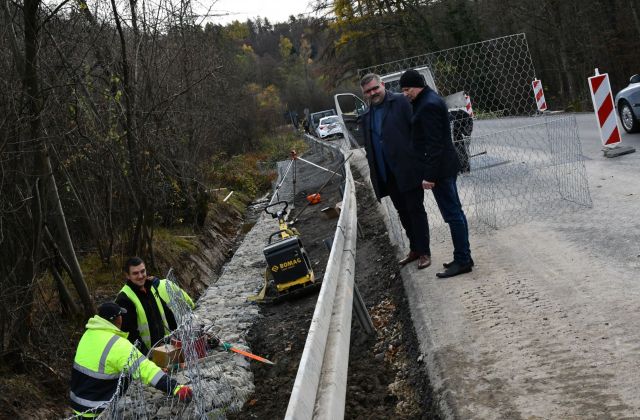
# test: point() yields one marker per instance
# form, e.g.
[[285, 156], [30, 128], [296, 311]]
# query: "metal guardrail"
[[320, 386]]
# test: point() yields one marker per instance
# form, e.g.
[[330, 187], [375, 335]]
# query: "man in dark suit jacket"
[[394, 165], [431, 136]]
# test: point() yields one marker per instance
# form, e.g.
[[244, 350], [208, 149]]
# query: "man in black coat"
[[431, 136], [394, 165]]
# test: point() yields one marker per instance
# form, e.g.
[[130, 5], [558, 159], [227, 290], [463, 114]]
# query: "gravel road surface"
[[546, 325]]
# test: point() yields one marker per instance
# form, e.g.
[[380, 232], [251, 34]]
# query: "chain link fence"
[[518, 164], [496, 75]]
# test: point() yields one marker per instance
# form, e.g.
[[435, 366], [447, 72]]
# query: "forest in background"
[[567, 39], [118, 118]]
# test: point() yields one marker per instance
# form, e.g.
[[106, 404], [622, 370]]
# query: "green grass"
[[238, 201], [175, 241], [99, 276], [251, 174]]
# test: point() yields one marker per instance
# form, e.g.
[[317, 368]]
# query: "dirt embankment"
[[34, 380], [212, 247]]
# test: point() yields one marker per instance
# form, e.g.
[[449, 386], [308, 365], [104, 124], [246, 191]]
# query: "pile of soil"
[[385, 378]]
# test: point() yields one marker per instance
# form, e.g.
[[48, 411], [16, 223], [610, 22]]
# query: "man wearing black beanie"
[[394, 166], [431, 136]]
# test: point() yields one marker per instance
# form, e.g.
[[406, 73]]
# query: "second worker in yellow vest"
[[149, 317]]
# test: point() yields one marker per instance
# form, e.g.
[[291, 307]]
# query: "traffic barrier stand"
[[538, 93], [606, 116], [467, 105]]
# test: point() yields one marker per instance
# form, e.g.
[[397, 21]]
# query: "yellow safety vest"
[[163, 291], [103, 354], [143, 323]]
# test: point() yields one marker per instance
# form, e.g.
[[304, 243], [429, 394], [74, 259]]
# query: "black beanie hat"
[[110, 311], [411, 78]]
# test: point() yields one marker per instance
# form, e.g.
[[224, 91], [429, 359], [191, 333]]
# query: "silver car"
[[329, 126], [628, 104]]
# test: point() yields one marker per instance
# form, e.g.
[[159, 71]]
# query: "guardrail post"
[[361, 312]]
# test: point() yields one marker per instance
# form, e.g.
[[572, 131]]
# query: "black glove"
[[215, 342]]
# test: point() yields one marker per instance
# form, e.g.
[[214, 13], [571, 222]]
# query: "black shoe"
[[447, 265], [454, 269]]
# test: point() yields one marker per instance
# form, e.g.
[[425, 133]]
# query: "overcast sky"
[[274, 10]]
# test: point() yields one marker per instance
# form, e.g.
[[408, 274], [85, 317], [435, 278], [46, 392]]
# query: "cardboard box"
[[165, 355]]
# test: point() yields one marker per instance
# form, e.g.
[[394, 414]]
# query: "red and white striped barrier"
[[467, 105], [538, 93], [604, 109]]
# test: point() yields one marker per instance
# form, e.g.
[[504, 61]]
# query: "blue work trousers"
[[446, 194]]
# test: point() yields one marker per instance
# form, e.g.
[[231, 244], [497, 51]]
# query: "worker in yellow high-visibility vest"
[[149, 317], [103, 354]]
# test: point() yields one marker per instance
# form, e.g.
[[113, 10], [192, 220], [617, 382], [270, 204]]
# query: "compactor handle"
[[287, 231], [280, 212]]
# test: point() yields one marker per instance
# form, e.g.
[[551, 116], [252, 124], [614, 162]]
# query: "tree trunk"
[[13, 39], [42, 162], [634, 15], [133, 148], [67, 304], [64, 242]]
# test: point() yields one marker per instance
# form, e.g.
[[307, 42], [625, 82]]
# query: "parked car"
[[329, 126], [628, 104], [314, 118]]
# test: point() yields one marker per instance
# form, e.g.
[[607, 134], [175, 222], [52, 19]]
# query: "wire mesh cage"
[[517, 164], [496, 75], [199, 366]]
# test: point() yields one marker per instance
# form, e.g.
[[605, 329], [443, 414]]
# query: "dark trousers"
[[413, 217], [446, 194]]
